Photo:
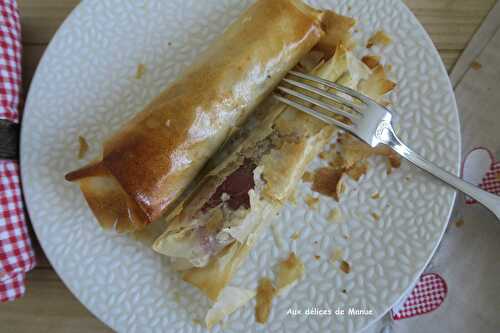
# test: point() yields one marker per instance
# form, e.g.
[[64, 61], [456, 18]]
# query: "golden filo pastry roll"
[[148, 164], [222, 220]]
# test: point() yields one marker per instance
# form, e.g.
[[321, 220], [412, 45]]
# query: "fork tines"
[[323, 100]]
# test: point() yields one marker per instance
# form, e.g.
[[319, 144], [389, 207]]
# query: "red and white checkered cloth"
[[429, 293], [16, 253]]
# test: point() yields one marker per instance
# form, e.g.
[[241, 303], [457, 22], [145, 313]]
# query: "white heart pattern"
[[481, 169]]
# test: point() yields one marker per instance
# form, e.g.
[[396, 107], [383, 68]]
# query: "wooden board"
[[48, 306], [451, 24]]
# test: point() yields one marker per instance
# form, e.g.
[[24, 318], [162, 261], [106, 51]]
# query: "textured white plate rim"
[[457, 167], [67, 21], [23, 129]]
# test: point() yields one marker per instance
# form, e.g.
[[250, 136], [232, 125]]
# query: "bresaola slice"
[[234, 190]]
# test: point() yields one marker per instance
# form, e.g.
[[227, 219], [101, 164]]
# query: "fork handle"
[[490, 201]]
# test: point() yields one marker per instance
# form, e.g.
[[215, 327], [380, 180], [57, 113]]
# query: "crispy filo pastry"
[[221, 221], [146, 165]]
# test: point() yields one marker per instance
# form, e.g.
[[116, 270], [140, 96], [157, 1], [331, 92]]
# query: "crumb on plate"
[[371, 60], [295, 236], [379, 38], [329, 155], [338, 33], [83, 147], [327, 181], [336, 255], [311, 201], [335, 215], [307, 177], [358, 170], [289, 271], [198, 322], [377, 85], [337, 161], [353, 151], [345, 267], [139, 73], [264, 298]]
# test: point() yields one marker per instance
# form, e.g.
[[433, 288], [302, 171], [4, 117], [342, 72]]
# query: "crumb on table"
[[476, 65]]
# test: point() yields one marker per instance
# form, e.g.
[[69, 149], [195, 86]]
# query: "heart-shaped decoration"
[[481, 169], [427, 296]]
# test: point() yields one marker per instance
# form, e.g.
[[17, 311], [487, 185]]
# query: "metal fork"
[[370, 122]]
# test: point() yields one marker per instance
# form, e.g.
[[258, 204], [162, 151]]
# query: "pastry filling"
[[234, 190], [226, 215]]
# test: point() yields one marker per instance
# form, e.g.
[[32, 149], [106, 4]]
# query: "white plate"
[[85, 86]]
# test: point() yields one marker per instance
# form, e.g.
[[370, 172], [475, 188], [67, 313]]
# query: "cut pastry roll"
[[223, 218], [220, 222]]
